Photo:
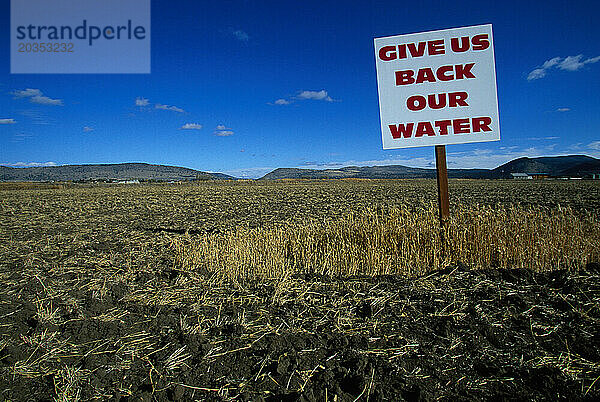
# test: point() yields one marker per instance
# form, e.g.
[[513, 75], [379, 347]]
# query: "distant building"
[[521, 176], [539, 176], [530, 176]]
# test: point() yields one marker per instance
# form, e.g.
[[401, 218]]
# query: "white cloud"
[[536, 74], [591, 149], [44, 100], [141, 102], [7, 121], [541, 138], [29, 164], [240, 35], [569, 63], [87, 129], [574, 63], [167, 107], [577, 147], [315, 95], [26, 93], [224, 133], [191, 126], [36, 96], [321, 95], [563, 109], [592, 60], [551, 63]]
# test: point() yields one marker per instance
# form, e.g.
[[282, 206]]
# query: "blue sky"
[[243, 87]]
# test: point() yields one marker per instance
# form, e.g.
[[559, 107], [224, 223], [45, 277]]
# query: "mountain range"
[[557, 166], [118, 172]]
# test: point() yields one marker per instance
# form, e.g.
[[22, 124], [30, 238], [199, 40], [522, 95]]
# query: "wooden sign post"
[[442, 183]]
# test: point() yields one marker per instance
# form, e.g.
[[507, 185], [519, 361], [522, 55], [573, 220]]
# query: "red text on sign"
[[443, 73], [427, 128], [454, 99], [462, 44], [433, 47]]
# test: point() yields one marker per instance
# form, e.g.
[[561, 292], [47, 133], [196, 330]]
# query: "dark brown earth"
[[93, 306], [457, 334]]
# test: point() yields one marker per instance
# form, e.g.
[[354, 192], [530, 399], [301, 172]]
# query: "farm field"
[[300, 290]]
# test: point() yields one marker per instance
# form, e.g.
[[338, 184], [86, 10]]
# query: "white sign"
[[437, 88]]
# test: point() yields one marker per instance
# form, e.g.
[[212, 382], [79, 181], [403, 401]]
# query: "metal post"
[[442, 182]]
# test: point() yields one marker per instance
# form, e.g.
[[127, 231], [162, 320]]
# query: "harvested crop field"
[[316, 290]]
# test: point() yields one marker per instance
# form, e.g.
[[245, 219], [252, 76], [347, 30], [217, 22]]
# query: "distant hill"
[[372, 172], [558, 166], [122, 171]]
